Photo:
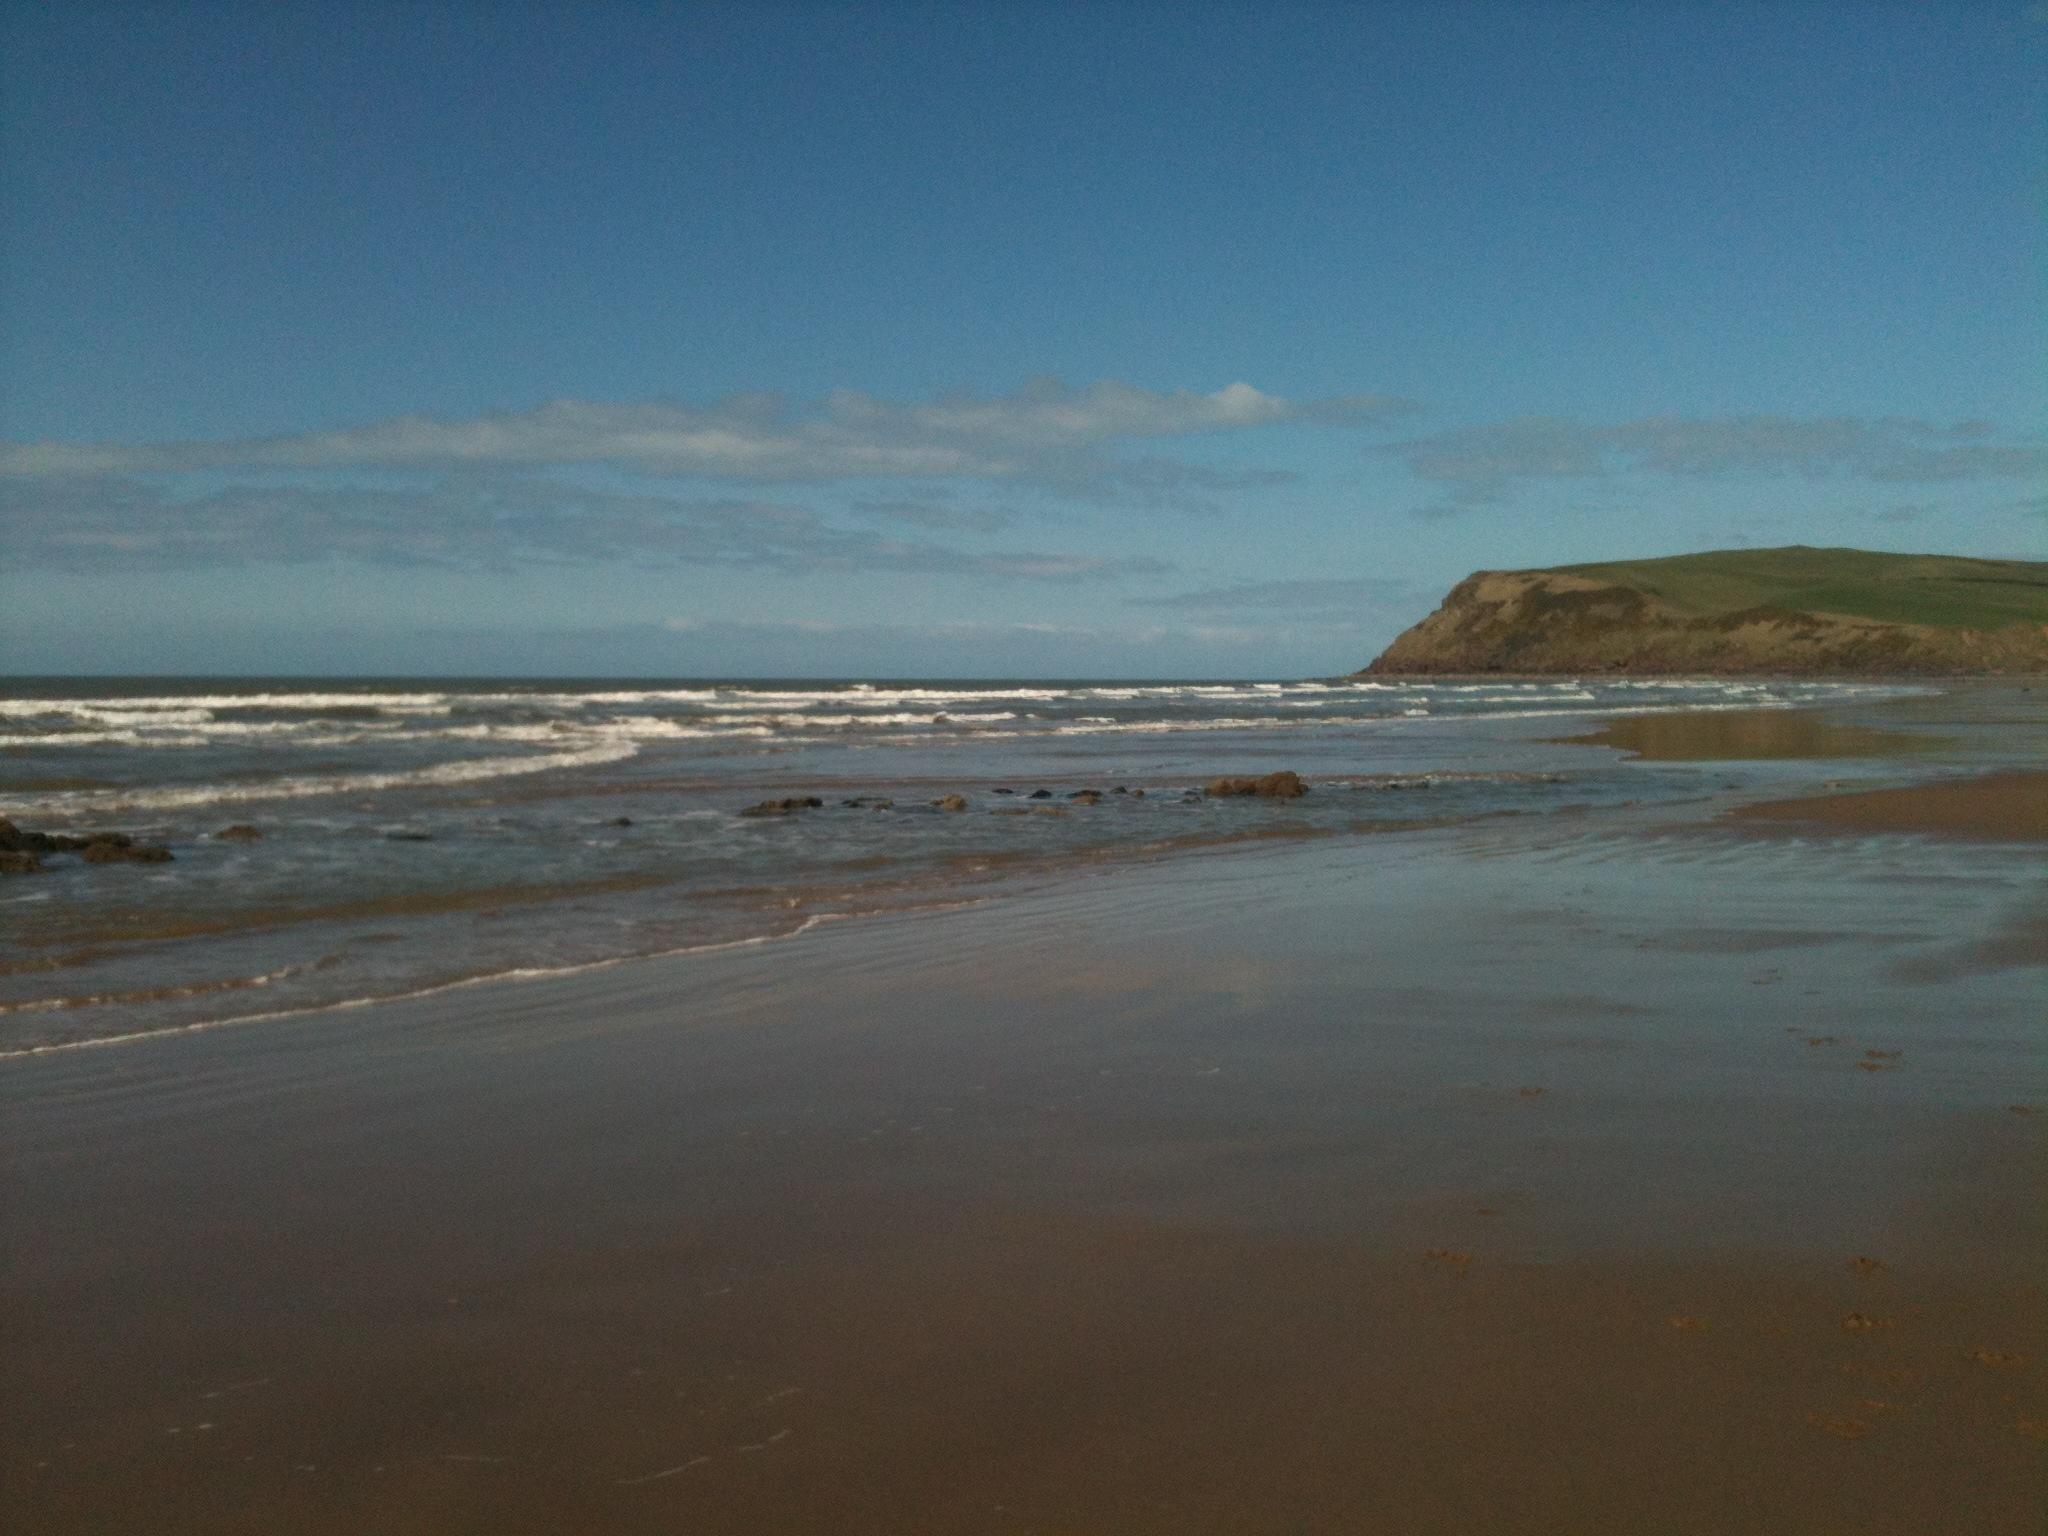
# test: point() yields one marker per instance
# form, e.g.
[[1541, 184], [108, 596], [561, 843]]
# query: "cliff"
[[1792, 611]]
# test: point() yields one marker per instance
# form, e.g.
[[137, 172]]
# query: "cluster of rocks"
[[21, 853], [1273, 786], [787, 807]]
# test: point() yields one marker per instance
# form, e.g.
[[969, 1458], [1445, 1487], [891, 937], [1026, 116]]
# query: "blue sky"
[[996, 339]]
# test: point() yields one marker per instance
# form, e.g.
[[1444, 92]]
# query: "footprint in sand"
[[1823, 1040], [1841, 1429], [1530, 1093], [1863, 1322], [1878, 1066], [1883, 1055], [1688, 1324], [1447, 1256], [2019, 1109], [1998, 1360], [1864, 1265], [1890, 1376], [2036, 1429]]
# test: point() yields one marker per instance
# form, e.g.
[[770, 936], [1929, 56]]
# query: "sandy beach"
[[1640, 1169]]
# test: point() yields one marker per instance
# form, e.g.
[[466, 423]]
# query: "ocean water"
[[428, 833]]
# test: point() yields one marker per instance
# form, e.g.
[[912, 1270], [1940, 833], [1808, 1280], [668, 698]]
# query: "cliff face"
[[1694, 615]]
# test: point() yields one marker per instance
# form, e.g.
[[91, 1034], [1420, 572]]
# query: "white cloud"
[[1476, 462], [492, 523], [1046, 430]]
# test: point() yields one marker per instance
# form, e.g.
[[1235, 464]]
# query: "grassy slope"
[[1941, 590]]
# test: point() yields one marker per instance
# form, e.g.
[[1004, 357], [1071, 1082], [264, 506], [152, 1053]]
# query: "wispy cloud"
[[95, 524], [930, 514], [1045, 431], [1474, 465], [1313, 598]]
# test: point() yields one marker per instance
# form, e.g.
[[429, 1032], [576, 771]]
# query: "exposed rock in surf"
[[408, 835], [1273, 786], [14, 840], [620, 821], [240, 832], [1040, 794], [125, 851], [94, 847], [19, 861], [788, 807], [951, 803], [1002, 791], [1086, 797]]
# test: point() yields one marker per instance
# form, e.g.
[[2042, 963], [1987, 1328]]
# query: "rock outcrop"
[[1797, 611], [1273, 786]]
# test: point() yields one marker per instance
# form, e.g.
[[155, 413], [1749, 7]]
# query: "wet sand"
[[1553, 1174], [1749, 735], [1997, 806]]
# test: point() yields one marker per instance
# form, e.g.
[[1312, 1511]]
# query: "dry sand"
[[1526, 1178]]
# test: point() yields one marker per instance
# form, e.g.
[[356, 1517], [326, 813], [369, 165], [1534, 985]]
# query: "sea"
[[394, 837]]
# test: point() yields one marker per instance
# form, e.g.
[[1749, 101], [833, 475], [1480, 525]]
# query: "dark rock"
[[1121, 789], [1002, 791], [14, 840], [1137, 794], [1274, 786], [951, 802], [620, 821], [18, 861], [107, 850], [788, 807], [1086, 797], [97, 847], [408, 835], [240, 832], [1040, 794]]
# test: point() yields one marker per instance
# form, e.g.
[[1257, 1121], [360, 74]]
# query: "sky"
[[982, 340]]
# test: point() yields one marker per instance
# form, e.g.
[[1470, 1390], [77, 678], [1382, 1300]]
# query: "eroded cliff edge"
[[1785, 612]]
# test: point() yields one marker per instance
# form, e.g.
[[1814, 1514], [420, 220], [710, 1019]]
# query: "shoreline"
[[1349, 1183], [1698, 735]]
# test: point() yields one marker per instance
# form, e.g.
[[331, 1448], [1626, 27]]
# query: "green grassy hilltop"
[[1790, 610]]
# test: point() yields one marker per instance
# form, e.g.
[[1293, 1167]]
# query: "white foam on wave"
[[463, 771], [349, 1004], [423, 703]]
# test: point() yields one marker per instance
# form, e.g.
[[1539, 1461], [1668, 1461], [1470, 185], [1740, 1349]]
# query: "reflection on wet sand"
[[1748, 735], [1479, 1179], [2000, 806]]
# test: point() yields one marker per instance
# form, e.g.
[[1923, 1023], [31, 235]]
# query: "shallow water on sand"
[[423, 833], [1615, 1172]]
